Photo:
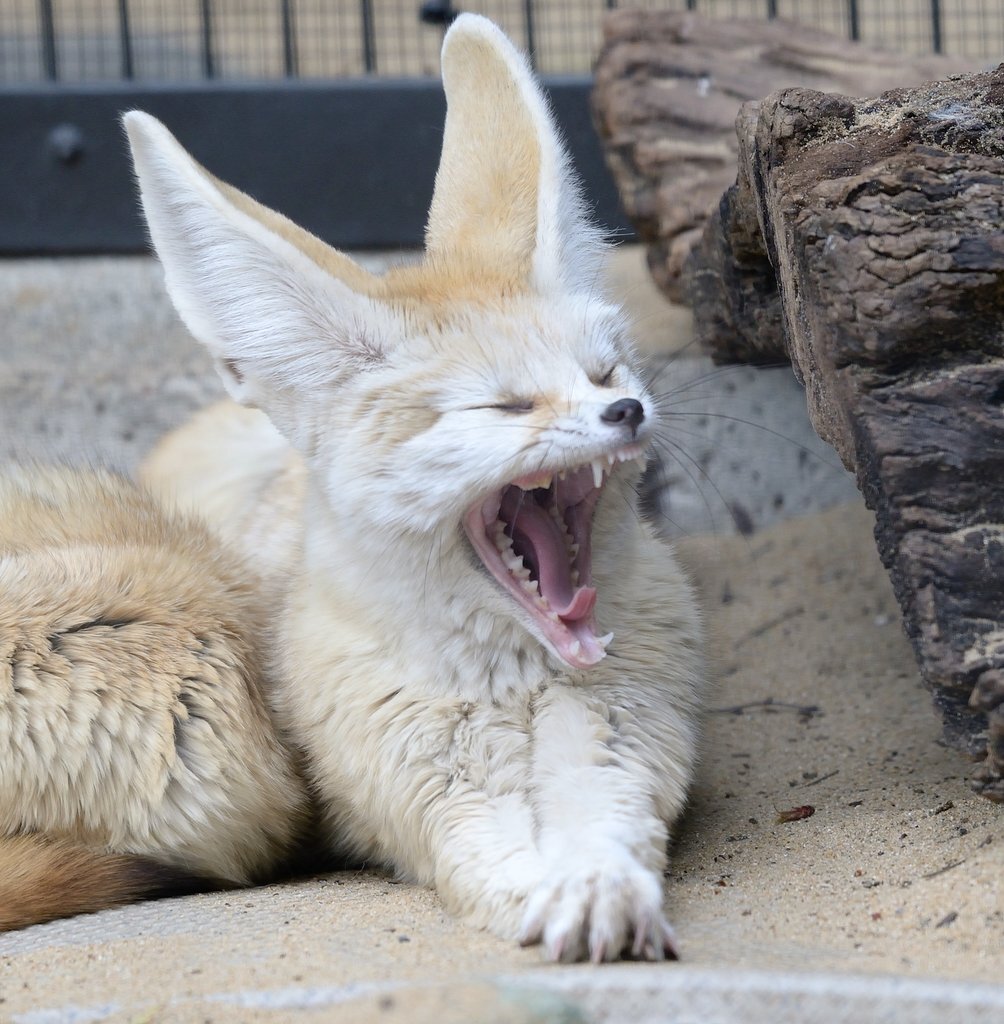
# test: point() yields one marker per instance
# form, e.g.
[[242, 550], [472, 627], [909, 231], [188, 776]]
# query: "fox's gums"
[[490, 667]]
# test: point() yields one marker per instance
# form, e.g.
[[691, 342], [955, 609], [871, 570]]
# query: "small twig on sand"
[[766, 627], [823, 778], [941, 871], [771, 705]]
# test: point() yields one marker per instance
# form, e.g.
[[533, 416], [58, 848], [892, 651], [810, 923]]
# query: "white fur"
[[444, 736]]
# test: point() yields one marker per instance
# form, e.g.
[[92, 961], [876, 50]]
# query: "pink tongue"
[[534, 529], [581, 605]]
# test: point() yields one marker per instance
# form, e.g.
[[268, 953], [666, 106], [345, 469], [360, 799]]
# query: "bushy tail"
[[42, 879]]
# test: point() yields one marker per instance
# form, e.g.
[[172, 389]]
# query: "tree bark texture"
[[668, 88], [879, 270]]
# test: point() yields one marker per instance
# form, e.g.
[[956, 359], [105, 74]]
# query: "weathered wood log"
[[668, 87], [884, 222], [728, 279]]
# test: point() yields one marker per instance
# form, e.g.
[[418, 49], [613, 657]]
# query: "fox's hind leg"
[[135, 716]]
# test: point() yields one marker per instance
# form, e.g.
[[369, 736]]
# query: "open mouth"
[[535, 537]]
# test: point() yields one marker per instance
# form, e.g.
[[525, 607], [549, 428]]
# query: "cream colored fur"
[[444, 735], [133, 712]]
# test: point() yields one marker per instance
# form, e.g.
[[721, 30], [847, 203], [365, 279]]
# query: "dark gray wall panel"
[[354, 161]]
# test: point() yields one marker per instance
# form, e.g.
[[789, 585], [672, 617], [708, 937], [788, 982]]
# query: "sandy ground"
[[899, 871]]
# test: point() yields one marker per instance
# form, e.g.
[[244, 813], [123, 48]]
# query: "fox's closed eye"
[[604, 378], [514, 405]]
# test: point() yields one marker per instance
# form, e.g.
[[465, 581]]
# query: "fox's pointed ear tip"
[[471, 27], [142, 127], [135, 119], [139, 125]]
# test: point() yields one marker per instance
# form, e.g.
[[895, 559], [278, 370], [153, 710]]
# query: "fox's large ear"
[[505, 197], [280, 311]]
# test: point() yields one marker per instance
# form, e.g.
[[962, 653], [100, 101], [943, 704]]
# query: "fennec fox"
[[491, 668], [137, 752]]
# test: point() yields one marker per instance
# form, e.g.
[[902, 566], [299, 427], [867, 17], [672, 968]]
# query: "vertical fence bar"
[[853, 20], [936, 37], [290, 63], [531, 34], [369, 37], [208, 57], [125, 40], [772, 9], [47, 25], [691, 5]]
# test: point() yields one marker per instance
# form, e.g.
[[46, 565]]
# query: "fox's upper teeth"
[[603, 641], [597, 472]]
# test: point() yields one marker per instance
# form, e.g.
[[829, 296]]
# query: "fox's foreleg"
[[603, 795]]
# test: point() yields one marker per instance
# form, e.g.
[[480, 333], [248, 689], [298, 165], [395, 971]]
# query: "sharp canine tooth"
[[604, 640], [597, 472]]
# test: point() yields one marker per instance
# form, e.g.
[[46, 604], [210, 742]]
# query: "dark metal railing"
[[435, 12]]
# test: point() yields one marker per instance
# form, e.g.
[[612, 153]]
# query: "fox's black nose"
[[628, 411]]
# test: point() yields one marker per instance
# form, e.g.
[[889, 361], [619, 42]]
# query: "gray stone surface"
[[735, 451]]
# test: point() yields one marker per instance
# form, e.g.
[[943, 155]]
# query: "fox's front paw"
[[605, 907]]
